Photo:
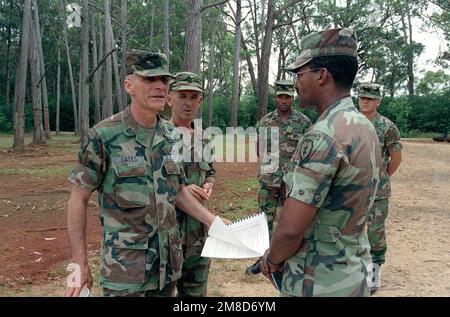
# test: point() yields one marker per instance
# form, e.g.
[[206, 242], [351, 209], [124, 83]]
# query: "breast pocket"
[[173, 175], [124, 257], [204, 168], [132, 186]]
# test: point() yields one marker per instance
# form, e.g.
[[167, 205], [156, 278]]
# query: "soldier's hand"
[[267, 266], [208, 187], [198, 192], [84, 279]]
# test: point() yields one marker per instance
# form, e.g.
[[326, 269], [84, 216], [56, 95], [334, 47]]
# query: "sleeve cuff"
[[84, 177], [307, 186]]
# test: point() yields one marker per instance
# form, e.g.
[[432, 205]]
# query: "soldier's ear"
[[169, 100], [128, 85]]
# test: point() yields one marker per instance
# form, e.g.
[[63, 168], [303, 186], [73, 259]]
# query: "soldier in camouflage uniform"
[[128, 159], [389, 137], [320, 241], [292, 124], [185, 99]]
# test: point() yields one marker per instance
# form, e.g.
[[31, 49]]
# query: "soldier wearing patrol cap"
[[185, 98], [320, 242], [127, 159], [391, 151], [292, 124]]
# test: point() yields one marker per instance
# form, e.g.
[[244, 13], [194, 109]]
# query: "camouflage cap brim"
[[369, 90], [368, 95], [187, 87], [289, 93], [301, 61], [153, 73]]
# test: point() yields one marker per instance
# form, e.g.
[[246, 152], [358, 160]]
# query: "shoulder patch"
[[306, 148], [311, 135]]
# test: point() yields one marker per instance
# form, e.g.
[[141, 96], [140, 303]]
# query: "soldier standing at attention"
[[320, 242], [391, 152], [185, 98], [127, 159], [292, 125]]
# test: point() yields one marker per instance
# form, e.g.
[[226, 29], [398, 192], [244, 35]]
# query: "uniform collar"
[[171, 122], [131, 128], [339, 105], [274, 115]]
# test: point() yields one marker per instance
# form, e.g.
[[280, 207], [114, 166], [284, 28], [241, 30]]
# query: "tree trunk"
[[101, 72], [236, 62], [152, 28], [192, 40], [84, 68], [108, 68], [35, 70], [263, 67], [123, 42], [8, 69], [116, 74], [251, 69], [69, 66], [43, 83], [211, 66], [97, 73], [58, 86], [21, 77], [410, 55], [166, 48]]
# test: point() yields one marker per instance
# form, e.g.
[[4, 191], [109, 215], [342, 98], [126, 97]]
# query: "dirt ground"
[[34, 249]]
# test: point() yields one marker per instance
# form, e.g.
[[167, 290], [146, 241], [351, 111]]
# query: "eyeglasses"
[[297, 75]]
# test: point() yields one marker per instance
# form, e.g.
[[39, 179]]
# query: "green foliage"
[[419, 114], [433, 82], [398, 110]]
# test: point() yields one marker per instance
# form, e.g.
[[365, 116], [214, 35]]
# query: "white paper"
[[245, 238]]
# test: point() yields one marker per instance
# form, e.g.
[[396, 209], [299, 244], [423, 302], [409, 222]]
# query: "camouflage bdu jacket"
[[290, 133], [337, 170], [137, 185], [389, 137], [197, 173]]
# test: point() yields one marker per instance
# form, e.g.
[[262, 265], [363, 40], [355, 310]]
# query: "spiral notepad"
[[245, 238]]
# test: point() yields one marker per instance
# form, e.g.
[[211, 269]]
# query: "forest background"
[[62, 67]]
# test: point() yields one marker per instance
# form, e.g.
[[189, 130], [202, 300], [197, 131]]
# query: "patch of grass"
[[39, 171], [6, 140], [420, 135], [237, 199]]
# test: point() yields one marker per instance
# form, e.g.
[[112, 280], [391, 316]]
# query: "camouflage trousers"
[[376, 230], [269, 199], [167, 291], [194, 278]]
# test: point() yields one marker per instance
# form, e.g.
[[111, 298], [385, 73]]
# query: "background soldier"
[[292, 125], [320, 241], [185, 98], [389, 137], [127, 159]]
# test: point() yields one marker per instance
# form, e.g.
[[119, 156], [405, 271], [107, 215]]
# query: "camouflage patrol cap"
[[186, 81], [369, 90], [284, 87], [147, 64], [331, 42]]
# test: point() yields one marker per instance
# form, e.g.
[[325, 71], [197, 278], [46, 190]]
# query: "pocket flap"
[[204, 166], [326, 233], [130, 170], [131, 241], [171, 167]]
